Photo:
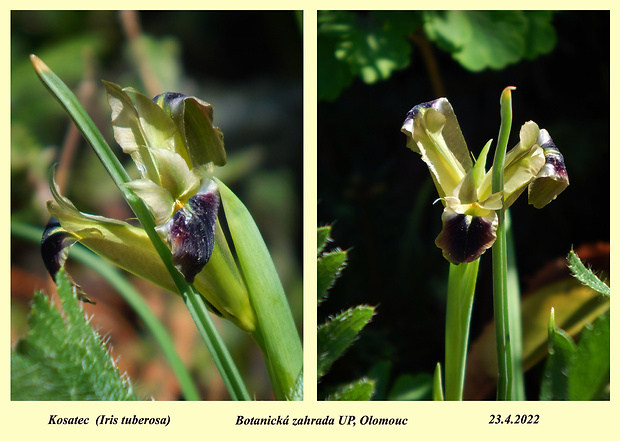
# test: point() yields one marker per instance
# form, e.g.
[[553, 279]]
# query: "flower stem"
[[461, 288], [193, 301], [500, 277]]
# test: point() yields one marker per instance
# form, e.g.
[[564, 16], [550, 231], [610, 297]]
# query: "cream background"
[[216, 420]]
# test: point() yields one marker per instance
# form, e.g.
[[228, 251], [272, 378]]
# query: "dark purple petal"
[[552, 178], [55, 244], [192, 233], [464, 238]]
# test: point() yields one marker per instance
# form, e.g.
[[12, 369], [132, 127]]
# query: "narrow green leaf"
[[515, 315], [276, 333], [437, 384], [589, 374], [461, 289], [555, 383], [62, 357], [360, 390], [336, 335], [329, 266], [585, 275]]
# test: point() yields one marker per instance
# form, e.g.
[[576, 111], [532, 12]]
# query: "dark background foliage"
[[379, 194], [248, 65]]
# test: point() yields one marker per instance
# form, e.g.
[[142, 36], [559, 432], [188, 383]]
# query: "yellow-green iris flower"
[[464, 187], [175, 147]]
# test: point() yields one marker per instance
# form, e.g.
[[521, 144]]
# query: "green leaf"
[[555, 383], [360, 390], [585, 275], [333, 75], [329, 267], [479, 40], [541, 37], [412, 388], [276, 334], [363, 42], [373, 53], [336, 335], [323, 237], [64, 359], [437, 384], [589, 374]]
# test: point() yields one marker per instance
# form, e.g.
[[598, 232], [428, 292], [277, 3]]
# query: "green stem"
[[461, 288], [192, 299], [514, 307], [132, 297], [500, 277]]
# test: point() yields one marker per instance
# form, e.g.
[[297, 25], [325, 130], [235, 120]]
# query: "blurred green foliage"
[[372, 45]]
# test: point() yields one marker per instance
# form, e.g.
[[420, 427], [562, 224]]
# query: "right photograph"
[[463, 206]]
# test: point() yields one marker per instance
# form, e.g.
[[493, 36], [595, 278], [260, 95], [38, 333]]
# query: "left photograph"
[[156, 205]]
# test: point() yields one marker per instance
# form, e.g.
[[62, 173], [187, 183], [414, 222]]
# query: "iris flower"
[[464, 186], [175, 147]]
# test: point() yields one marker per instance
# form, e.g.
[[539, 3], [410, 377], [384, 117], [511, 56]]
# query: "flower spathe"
[[464, 187], [175, 146]]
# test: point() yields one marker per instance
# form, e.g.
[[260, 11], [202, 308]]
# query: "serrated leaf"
[[360, 390], [323, 237], [555, 385], [336, 335], [329, 266], [64, 359], [585, 275], [589, 373]]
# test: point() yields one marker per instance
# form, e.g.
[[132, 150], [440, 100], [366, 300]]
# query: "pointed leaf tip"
[[38, 64]]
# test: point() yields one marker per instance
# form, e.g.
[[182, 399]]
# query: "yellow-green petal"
[[158, 199], [129, 247], [194, 119], [552, 178], [433, 131]]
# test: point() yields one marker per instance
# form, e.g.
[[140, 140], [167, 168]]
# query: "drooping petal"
[[464, 237], [523, 162], [191, 231], [55, 244], [194, 118], [552, 178], [433, 131]]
